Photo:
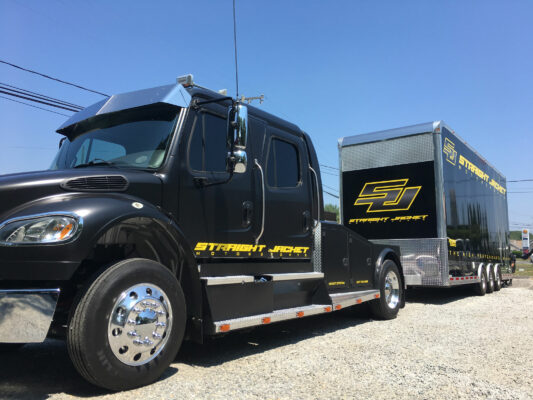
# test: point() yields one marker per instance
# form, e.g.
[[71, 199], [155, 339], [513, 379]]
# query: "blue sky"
[[335, 68]]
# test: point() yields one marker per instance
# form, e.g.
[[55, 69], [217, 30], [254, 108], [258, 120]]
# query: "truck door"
[[288, 194], [216, 215]]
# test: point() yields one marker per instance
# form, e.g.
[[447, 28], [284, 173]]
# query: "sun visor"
[[175, 95]]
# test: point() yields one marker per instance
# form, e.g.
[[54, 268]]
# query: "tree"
[[332, 208]]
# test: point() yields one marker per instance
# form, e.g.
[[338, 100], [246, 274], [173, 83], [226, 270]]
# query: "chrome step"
[[341, 300], [227, 280], [295, 276]]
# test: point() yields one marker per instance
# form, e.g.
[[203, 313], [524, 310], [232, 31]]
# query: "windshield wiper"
[[94, 163]]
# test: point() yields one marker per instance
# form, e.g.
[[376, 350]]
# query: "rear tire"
[[498, 279], [481, 287], [391, 293], [490, 283], [128, 325]]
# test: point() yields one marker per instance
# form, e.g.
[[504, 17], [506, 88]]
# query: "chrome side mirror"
[[237, 138]]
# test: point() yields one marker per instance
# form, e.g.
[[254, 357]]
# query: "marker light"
[[39, 230]]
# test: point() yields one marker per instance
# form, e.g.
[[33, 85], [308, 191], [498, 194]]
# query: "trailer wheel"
[[128, 325], [490, 283], [481, 287], [498, 279], [391, 293]]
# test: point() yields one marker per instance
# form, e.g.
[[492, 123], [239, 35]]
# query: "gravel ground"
[[448, 344]]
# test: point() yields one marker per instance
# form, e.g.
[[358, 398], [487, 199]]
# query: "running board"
[[237, 279], [339, 301]]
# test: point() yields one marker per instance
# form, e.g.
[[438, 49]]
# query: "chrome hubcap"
[[392, 289], [139, 324]]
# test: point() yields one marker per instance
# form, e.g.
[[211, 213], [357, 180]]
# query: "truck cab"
[[169, 213]]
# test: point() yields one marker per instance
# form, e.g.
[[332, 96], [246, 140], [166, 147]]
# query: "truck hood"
[[19, 189]]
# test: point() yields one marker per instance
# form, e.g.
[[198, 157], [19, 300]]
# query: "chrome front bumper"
[[26, 314]]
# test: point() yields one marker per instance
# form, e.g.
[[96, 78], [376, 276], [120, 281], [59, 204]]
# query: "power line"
[[39, 95], [327, 166], [330, 173], [31, 105], [52, 78], [331, 194], [10, 93], [522, 180], [329, 187]]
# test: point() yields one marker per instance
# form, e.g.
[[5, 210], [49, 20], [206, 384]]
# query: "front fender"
[[60, 261]]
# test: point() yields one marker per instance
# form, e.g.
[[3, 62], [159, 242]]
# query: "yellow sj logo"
[[386, 196], [449, 150]]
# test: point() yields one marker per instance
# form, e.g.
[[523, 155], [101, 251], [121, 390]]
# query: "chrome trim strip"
[[340, 301], [353, 298], [227, 280], [263, 210], [26, 314], [317, 196], [295, 276], [462, 280], [439, 185], [276, 316]]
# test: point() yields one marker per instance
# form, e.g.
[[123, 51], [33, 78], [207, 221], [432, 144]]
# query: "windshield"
[[135, 138]]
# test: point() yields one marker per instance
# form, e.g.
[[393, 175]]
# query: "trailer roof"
[[411, 130]]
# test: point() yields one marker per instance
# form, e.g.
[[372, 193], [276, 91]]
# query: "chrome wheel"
[[498, 277], [483, 281], [392, 289], [139, 324]]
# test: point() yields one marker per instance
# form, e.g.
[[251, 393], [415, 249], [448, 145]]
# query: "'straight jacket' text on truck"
[[425, 190], [171, 213]]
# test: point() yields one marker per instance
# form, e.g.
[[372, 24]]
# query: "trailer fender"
[[479, 269], [388, 253], [487, 270]]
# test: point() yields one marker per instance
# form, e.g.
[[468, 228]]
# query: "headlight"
[[37, 230]]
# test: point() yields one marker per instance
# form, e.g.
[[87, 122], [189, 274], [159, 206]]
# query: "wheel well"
[[133, 238], [393, 257]]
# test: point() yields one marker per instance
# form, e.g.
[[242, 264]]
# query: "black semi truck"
[[424, 189], [175, 213]]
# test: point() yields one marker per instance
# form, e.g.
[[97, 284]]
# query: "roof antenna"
[[235, 45]]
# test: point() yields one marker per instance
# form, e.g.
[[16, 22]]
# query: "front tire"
[[128, 325], [391, 293]]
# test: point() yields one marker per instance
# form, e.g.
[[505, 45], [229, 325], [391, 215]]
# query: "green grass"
[[526, 266]]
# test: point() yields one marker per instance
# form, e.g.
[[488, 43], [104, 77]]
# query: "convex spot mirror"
[[237, 138]]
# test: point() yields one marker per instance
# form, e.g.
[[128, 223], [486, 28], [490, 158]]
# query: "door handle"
[[247, 213], [307, 221]]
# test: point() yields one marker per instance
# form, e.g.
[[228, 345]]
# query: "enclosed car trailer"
[[427, 191]]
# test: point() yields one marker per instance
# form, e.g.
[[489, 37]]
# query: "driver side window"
[[207, 148]]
